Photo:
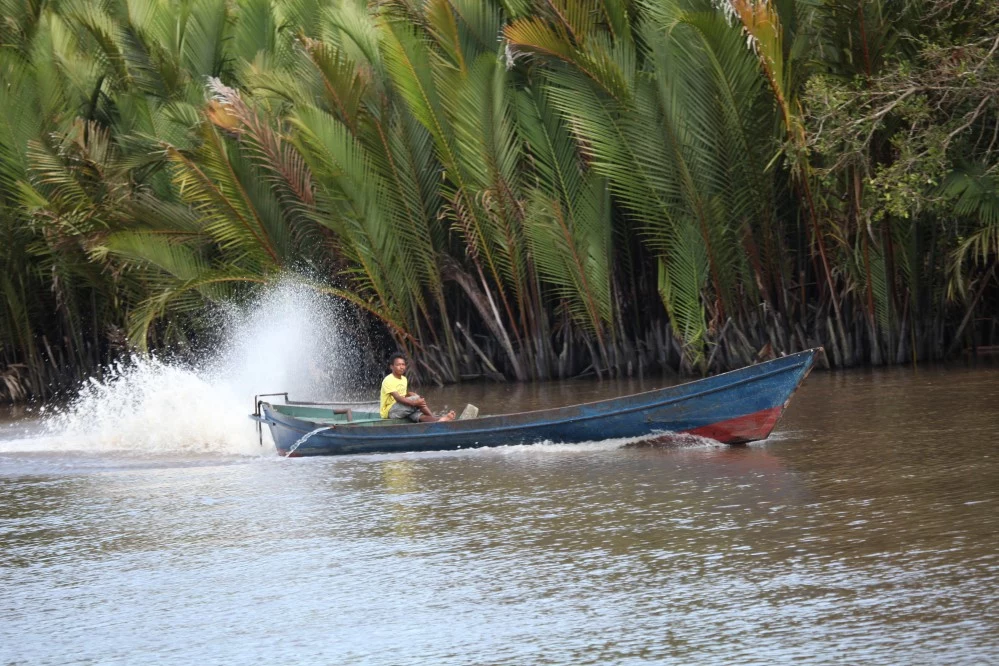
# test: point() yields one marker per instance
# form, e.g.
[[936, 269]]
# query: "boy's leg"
[[401, 411], [430, 418], [423, 408]]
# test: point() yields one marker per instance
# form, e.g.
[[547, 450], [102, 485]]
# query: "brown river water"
[[865, 531]]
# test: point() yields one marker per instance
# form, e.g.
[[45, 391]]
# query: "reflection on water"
[[865, 531]]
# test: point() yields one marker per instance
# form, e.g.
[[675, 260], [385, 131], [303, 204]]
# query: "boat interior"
[[322, 415], [366, 414]]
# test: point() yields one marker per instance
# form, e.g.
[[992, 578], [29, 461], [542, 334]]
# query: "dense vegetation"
[[525, 188]]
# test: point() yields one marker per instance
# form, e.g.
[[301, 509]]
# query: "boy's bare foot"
[[447, 417]]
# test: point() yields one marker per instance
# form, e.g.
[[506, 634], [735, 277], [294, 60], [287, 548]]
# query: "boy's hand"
[[414, 400]]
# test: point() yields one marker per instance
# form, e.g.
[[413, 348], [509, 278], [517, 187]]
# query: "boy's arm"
[[406, 400]]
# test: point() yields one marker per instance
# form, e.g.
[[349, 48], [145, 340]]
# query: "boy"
[[397, 402]]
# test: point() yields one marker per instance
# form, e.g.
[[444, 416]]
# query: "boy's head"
[[397, 364]]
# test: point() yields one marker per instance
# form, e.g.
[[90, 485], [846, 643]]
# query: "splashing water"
[[304, 438], [290, 339]]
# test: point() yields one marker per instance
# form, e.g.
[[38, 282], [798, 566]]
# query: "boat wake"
[[672, 440], [665, 440], [553, 448], [290, 339]]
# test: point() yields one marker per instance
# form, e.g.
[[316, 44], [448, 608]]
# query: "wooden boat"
[[735, 407]]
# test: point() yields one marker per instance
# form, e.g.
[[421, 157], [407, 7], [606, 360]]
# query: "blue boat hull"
[[735, 407]]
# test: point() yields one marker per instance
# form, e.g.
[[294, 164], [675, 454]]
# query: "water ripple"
[[865, 533]]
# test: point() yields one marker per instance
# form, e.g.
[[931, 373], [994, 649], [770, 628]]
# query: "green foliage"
[[904, 128], [563, 174]]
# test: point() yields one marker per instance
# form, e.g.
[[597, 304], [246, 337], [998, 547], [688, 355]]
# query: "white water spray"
[[290, 339], [304, 438]]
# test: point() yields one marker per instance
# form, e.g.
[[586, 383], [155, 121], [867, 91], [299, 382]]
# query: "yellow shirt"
[[392, 385]]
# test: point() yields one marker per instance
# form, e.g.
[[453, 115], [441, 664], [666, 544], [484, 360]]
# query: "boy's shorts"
[[401, 411]]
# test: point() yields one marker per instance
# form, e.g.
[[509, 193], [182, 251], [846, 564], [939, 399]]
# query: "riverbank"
[[470, 187]]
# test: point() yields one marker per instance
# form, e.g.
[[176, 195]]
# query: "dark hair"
[[394, 356]]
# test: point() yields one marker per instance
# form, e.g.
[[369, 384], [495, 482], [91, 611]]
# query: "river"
[[866, 530]]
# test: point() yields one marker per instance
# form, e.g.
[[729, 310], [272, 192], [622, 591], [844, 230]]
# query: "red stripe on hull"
[[748, 428]]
